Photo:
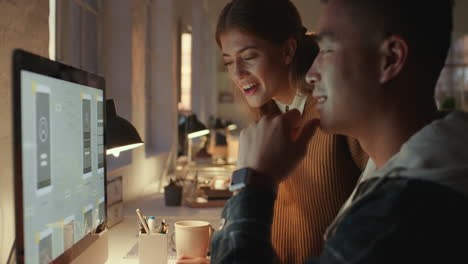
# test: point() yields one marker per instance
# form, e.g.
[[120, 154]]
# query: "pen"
[[162, 227], [143, 222], [140, 226]]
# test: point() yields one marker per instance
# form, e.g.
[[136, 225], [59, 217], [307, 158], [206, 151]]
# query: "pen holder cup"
[[152, 248]]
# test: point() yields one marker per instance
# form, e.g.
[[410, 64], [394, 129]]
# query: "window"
[[148, 54], [150, 99], [77, 33], [160, 87], [185, 103], [452, 87]]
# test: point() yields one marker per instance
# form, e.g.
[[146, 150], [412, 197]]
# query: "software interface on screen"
[[63, 164]]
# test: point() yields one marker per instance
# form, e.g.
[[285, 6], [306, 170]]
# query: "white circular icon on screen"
[[43, 129]]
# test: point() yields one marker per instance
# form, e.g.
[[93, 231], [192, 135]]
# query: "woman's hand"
[[192, 260]]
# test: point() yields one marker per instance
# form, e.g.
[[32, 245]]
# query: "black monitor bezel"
[[23, 60]]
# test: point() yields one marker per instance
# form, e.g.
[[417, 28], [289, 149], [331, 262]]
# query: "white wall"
[[23, 24]]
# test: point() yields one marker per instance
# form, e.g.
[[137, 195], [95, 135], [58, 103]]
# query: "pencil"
[[143, 222]]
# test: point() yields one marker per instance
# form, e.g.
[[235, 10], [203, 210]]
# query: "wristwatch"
[[240, 179], [244, 177]]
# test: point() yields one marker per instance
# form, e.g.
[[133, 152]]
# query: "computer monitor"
[[59, 162]]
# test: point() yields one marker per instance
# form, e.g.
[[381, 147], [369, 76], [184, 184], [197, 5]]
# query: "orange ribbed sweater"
[[310, 198]]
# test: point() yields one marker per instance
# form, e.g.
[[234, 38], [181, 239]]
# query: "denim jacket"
[[401, 221], [413, 210], [244, 236]]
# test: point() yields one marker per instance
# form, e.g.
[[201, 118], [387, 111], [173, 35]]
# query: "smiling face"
[[257, 67], [345, 73]]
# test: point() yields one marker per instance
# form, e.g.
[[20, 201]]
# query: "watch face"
[[239, 178]]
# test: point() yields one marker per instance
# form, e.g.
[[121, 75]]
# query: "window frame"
[[64, 34]]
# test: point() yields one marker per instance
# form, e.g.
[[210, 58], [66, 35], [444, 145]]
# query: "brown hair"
[[275, 21]]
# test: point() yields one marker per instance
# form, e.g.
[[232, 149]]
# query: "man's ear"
[[394, 51], [289, 50]]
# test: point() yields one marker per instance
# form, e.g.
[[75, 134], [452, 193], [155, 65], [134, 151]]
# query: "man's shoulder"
[[400, 221], [409, 192], [414, 205], [407, 202]]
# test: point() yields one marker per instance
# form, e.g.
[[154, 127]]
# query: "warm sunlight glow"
[[52, 28], [232, 127], [186, 72]]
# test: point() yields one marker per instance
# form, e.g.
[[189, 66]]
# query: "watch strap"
[[248, 177]]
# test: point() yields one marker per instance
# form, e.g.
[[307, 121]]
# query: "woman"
[[267, 53]]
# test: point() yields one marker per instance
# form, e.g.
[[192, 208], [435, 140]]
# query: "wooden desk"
[[123, 236]]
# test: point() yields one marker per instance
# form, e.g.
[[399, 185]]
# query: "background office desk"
[[124, 235]]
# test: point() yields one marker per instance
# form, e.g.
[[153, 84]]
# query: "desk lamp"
[[190, 138], [194, 129], [231, 127], [121, 135]]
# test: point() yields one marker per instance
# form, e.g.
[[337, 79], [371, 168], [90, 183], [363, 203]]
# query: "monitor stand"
[[97, 252], [92, 249]]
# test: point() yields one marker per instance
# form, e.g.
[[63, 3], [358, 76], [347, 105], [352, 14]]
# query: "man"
[[374, 80]]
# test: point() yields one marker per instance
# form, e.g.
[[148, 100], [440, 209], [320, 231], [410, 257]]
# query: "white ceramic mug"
[[192, 238]]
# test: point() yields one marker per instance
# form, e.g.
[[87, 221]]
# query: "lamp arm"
[[168, 163]]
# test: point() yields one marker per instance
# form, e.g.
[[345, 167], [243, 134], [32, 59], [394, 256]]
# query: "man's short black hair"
[[425, 25]]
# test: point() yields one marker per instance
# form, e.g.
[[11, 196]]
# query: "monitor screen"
[[59, 156]]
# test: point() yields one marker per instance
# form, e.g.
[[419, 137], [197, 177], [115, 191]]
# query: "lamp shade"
[[193, 124], [190, 127], [121, 135]]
